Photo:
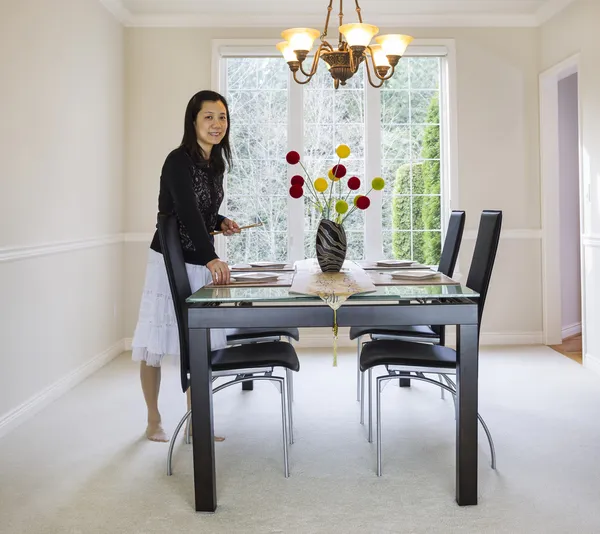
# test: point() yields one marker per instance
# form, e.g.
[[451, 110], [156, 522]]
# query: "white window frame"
[[227, 48]]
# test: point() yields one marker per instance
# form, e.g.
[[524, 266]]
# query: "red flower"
[[339, 171], [363, 203], [292, 157], [296, 191], [353, 183], [297, 180]]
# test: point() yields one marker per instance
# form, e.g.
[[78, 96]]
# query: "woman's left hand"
[[229, 227]]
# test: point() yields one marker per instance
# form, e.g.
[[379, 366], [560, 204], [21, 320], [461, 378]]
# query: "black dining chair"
[[251, 361], [432, 334], [418, 358]]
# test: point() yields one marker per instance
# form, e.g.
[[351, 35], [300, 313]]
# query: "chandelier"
[[354, 47]]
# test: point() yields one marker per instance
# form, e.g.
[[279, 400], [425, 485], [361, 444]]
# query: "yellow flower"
[[321, 184], [332, 176], [341, 206], [342, 151], [378, 183]]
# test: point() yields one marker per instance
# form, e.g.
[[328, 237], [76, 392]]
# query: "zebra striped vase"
[[331, 246]]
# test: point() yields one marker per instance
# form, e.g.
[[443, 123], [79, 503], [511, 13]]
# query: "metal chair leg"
[[291, 378], [284, 426], [379, 384], [369, 378], [358, 373], [362, 399], [172, 442], [288, 380]]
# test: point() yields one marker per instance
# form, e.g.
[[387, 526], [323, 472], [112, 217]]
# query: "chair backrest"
[[484, 255], [452, 243], [170, 243]]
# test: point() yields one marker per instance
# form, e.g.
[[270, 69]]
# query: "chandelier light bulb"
[[287, 51], [300, 38], [379, 56], [394, 44], [358, 34]]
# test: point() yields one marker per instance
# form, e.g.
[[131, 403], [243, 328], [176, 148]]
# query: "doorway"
[[563, 278]]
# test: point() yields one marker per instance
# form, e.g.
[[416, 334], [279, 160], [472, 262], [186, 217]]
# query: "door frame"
[[550, 196]]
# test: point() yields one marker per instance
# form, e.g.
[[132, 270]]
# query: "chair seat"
[[401, 331], [394, 352], [272, 354], [238, 334]]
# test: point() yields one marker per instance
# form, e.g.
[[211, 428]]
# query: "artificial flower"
[[378, 183], [297, 180], [292, 157], [341, 206], [342, 151], [354, 183], [321, 184], [363, 202], [296, 191]]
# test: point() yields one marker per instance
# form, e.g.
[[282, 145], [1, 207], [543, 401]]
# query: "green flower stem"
[[312, 187]]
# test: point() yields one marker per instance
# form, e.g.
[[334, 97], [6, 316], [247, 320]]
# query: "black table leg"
[[467, 348], [205, 484]]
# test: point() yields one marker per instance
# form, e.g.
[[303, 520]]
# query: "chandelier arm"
[[313, 67], [329, 9], [369, 74], [358, 12], [301, 82], [341, 16]]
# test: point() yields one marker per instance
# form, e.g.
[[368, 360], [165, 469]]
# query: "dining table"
[[391, 302]]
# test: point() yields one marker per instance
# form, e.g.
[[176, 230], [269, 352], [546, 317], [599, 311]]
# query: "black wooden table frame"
[[458, 311]]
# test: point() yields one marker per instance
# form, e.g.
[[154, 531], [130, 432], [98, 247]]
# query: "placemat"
[[244, 267], [284, 280], [385, 279]]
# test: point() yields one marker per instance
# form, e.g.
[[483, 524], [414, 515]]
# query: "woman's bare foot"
[[155, 432], [217, 438]]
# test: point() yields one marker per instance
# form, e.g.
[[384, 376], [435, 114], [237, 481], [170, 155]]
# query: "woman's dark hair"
[[221, 153]]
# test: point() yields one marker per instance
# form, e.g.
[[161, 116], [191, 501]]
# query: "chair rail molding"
[[509, 234], [591, 240], [45, 249]]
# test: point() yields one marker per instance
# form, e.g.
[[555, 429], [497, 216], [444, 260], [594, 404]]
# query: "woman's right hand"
[[219, 271]]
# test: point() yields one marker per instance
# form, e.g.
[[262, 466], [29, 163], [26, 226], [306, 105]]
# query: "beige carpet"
[[82, 466]]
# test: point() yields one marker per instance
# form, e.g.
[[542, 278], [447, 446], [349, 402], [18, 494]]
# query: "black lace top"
[[193, 192]]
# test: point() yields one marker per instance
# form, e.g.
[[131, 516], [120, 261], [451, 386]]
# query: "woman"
[[191, 187]]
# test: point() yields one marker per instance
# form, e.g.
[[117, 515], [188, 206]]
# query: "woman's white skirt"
[[156, 334]]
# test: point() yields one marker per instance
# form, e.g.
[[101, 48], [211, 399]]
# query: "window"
[[397, 132]]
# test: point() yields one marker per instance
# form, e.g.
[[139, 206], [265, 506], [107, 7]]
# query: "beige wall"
[[497, 141], [61, 109], [573, 31]]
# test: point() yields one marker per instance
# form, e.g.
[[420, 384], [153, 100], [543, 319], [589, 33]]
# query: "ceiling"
[[277, 13]]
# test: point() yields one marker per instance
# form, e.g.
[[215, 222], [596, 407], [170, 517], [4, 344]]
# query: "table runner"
[[333, 288]]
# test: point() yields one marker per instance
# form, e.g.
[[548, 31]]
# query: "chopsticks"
[[241, 228]]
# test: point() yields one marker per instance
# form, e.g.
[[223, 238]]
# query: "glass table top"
[[283, 294]]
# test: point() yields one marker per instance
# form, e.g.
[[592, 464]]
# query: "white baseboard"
[[45, 397], [592, 363], [571, 330], [323, 338], [127, 343]]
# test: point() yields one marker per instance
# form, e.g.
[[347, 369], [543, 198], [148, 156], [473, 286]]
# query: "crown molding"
[[550, 9], [118, 10], [444, 20], [408, 20]]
